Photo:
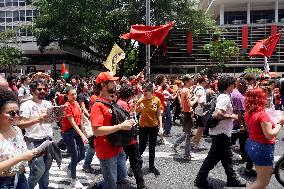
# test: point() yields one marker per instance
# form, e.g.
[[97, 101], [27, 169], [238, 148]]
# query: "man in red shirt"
[[112, 159]]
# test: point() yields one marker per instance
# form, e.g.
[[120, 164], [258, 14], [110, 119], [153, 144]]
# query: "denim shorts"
[[260, 154]]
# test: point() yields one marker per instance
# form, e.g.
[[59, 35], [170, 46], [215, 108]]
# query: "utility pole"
[[148, 50]]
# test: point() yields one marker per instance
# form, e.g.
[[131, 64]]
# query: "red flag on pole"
[[265, 47], [154, 35], [63, 69], [189, 42], [245, 37]]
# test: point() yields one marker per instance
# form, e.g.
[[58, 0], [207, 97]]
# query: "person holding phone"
[[13, 148]]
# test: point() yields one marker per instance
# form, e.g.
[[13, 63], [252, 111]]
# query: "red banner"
[[154, 35], [244, 37], [273, 29], [63, 69], [265, 47], [189, 42]]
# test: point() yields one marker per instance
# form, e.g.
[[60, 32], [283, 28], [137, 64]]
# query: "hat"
[[105, 76], [187, 77]]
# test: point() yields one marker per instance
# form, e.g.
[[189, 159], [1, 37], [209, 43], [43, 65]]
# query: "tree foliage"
[[221, 51], [95, 25], [9, 53], [256, 71]]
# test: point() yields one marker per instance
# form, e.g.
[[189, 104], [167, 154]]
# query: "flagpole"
[[148, 50]]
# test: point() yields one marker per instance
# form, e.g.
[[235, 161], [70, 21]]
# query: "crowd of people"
[[126, 115]]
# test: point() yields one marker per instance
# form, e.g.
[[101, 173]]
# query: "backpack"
[[120, 138], [207, 120]]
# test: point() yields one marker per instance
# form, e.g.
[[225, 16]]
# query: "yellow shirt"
[[149, 116]]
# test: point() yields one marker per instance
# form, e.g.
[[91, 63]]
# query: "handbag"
[[85, 122]]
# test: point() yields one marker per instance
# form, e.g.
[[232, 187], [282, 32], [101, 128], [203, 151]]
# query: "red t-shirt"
[[160, 94], [254, 127], [72, 110], [125, 106], [93, 99], [101, 115]]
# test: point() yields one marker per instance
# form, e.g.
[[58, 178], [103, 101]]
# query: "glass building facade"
[[14, 14]]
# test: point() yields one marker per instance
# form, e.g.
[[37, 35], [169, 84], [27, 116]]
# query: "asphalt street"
[[176, 173]]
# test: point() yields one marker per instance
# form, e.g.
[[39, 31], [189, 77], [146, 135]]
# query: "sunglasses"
[[41, 89], [14, 113]]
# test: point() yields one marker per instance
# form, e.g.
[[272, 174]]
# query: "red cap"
[[105, 76]]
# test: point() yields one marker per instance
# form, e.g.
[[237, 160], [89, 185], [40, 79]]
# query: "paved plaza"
[[176, 173]]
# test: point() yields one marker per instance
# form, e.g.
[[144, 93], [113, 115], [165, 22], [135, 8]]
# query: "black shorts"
[[198, 121]]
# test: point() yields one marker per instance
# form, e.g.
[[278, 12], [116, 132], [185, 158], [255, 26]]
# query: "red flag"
[[189, 42], [63, 69], [265, 47], [273, 29], [154, 35], [244, 37]]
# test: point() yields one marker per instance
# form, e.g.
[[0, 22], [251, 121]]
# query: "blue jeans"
[[114, 170], [89, 156], [10, 182], [168, 117], [75, 147], [39, 169], [187, 146]]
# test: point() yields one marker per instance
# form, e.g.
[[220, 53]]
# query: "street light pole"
[[148, 50]]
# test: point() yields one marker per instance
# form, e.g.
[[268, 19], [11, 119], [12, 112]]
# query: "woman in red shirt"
[[262, 133], [72, 135]]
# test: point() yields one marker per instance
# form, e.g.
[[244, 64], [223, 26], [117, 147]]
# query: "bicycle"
[[279, 170]]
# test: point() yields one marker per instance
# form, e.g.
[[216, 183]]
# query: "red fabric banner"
[[265, 47], [154, 35], [189, 42], [273, 29], [244, 37], [63, 69]]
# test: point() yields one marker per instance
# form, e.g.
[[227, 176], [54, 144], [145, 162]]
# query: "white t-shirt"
[[31, 109], [202, 99], [224, 126], [24, 91]]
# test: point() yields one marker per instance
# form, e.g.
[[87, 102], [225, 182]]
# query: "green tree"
[[94, 26], [9, 52], [221, 51], [256, 71]]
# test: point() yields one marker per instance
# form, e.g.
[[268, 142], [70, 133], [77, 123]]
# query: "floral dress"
[[13, 147]]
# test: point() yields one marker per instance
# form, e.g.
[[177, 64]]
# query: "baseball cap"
[[105, 76]]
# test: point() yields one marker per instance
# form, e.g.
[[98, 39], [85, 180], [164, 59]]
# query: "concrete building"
[[244, 21], [16, 15]]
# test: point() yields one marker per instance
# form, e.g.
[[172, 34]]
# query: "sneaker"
[[168, 135], [88, 169], [75, 183], [202, 184], [68, 171], [250, 173], [154, 170], [130, 172], [235, 183], [187, 157]]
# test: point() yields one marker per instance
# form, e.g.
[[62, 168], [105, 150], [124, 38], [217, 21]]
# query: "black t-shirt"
[[84, 97]]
